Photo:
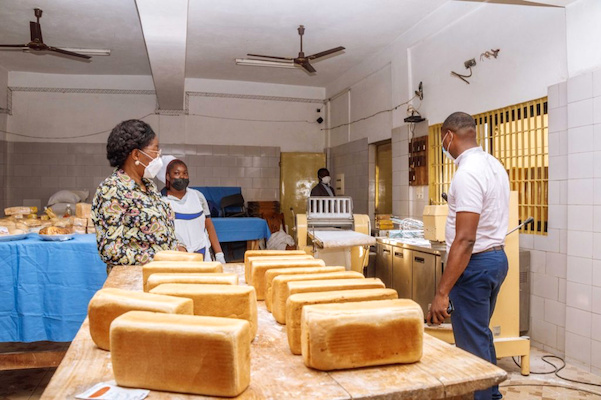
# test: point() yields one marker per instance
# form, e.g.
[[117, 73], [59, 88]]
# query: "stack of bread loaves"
[[335, 318], [191, 316]]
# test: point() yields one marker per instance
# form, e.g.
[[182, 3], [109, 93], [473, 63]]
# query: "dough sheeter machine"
[[338, 236]]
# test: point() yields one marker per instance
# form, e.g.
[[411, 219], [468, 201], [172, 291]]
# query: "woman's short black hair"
[[126, 137]]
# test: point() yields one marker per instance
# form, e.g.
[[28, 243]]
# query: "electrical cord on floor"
[[556, 372], [551, 385]]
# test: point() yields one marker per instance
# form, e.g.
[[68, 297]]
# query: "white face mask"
[[446, 151], [326, 179], [152, 169]]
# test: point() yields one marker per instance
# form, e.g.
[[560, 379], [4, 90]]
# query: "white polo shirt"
[[190, 214], [480, 185]]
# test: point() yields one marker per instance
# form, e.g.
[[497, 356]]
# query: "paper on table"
[[110, 391]]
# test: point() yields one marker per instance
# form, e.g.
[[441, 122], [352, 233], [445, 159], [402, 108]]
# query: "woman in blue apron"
[[193, 225]]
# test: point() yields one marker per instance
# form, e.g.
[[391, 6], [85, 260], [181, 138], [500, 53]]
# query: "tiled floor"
[[29, 384]]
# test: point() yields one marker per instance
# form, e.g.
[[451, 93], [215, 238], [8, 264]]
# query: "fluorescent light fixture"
[[87, 52], [265, 63]]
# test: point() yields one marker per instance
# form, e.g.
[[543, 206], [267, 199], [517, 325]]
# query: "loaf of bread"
[[217, 278], [181, 353], [272, 273], [353, 335], [226, 301], [249, 261], [268, 253], [55, 230], [108, 304], [83, 210], [296, 302], [176, 267], [173, 255], [258, 269], [325, 283]]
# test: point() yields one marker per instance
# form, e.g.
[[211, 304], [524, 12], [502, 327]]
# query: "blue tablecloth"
[[240, 229], [45, 287]]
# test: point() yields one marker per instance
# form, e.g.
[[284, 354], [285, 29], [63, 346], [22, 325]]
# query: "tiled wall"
[[37, 170], [566, 264], [2, 174], [351, 159]]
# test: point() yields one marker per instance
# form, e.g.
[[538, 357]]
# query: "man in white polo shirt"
[[475, 235]]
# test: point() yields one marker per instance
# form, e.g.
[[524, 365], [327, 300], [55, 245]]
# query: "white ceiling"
[[218, 32]]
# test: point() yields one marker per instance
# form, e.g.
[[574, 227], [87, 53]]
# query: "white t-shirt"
[[190, 214], [481, 186]]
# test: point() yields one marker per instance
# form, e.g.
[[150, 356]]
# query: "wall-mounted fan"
[[37, 43], [289, 62]]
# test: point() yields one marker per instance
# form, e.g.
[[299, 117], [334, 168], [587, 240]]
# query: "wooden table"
[[444, 371]]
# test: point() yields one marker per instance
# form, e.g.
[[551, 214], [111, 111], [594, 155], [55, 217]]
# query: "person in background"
[[475, 234], [131, 219], [192, 216], [323, 188]]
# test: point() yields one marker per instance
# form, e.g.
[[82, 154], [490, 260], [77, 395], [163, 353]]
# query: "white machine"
[[338, 236]]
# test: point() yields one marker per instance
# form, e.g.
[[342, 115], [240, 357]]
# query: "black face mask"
[[180, 184]]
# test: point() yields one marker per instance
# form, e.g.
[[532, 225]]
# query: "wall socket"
[[419, 192], [470, 63]]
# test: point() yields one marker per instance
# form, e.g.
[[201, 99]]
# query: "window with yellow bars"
[[518, 137]]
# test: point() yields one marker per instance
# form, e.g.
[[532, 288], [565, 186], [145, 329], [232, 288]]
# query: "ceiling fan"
[[289, 62], [37, 43]]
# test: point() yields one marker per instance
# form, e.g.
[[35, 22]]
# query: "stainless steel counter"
[[413, 271]]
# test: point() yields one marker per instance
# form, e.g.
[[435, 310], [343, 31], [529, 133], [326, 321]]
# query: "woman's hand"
[[182, 248]]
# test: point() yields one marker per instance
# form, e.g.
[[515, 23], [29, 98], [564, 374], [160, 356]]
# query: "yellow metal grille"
[[518, 137]]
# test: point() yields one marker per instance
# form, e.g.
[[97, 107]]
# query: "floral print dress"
[[131, 225]]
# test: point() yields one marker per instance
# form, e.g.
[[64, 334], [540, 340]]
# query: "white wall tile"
[[580, 113], [581, 165], [544, 286], [579, 296], [556, 264], [596, 84], [553, 193], [561, 289], [558, 119], [596, 325], [558, 216], [581, 191], [597, 137], [578, 348], [580, 244], [563, 241], [538, 260], [549, 242], [563, 142], [596, 307], [561, 340], [563, 94], [555, 312], [579, 139], [526, 241], [596, 244], [580, 87], [579, 270], [596, 218], [596, 353], [563, 192], [553, 96], [578, 322], [543, 332], [537, 307], [597, 273], [579, 217], [597, 110], [554, 149]]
